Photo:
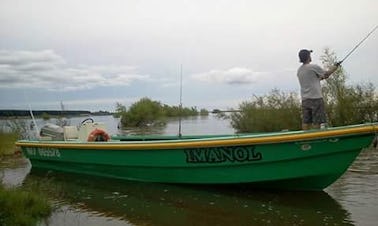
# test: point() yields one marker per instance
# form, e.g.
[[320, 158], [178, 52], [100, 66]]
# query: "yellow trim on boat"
[[206, 142]]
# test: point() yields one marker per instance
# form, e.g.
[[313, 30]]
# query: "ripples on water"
[[357, 189]]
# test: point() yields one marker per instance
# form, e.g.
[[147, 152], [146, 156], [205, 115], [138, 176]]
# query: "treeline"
[[40, 113], [147, 112], [345, 105]]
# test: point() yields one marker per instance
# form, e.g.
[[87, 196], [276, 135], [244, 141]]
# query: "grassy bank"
[[7, 141], [19, 206]]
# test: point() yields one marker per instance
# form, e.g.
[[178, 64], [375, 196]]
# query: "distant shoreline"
[[51, 113]]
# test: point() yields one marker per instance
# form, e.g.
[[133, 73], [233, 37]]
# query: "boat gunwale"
[[233, 140]]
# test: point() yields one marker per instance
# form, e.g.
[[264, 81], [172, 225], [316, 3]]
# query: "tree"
[[346, 104], [203, 111], [142, 113], [45, 116], [147, 112], [120, 110]]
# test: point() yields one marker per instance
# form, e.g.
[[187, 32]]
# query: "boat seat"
[[70, 132]]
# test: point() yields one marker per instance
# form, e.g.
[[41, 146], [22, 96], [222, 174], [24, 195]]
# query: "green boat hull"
[[292, 160]]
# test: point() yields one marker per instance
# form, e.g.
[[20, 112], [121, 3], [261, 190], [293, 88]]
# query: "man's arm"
[[330, 71]]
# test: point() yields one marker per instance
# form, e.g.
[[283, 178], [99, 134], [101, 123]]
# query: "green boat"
[[294, 160]]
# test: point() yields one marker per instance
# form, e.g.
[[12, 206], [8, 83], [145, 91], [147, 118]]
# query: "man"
[[309, 76]]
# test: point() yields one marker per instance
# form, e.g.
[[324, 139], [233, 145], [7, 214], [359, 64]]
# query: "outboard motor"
[[52, 131]]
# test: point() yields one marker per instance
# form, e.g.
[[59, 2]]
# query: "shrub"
[[142, 113], [10, 131], [147, 112], [347, 104], [274, 112]]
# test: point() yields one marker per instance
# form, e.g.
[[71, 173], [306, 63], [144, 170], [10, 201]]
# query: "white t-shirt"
[[309, 76]]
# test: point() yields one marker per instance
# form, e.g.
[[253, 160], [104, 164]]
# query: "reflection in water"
[[166, 204], [357, 189], [192, 125], [150, 130], [13, 170]]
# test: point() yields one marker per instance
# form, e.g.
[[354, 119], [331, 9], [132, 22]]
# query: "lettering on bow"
[[222, 154], [43, 152]]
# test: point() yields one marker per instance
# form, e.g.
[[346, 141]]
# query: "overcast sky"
[[91, 54]]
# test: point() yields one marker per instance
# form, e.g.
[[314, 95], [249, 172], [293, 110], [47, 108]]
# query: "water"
[[84, 200], [190, 125]]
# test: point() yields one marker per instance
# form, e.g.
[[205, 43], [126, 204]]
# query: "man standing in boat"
[[309, 76]]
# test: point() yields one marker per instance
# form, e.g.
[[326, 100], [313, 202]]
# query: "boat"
[[290, 160]]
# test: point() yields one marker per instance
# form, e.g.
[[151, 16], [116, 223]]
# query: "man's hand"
[[338, 64]]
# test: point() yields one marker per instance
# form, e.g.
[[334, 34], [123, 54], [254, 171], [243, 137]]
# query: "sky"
[[91, 54]]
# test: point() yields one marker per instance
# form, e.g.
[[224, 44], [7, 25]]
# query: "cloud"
[[232, 76], [29, 57], [45, 69]]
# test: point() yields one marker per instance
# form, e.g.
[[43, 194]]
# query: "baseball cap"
[[304, 54]]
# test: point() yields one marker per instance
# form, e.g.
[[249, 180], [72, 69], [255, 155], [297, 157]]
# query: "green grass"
[[7, 141], [20, 207]]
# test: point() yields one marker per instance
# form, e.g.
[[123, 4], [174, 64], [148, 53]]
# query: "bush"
[[142, 113], [204, 112], [45, 116], [16, 126], [347, 104], [10, 131], [274, 112], [147, 112], [120, 110]]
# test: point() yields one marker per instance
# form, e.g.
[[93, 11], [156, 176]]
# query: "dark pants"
[[313, 111]]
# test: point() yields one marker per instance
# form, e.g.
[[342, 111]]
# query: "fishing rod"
[[33, 120], [371, 32]]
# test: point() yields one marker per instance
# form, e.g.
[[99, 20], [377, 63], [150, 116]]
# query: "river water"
[[86, 201]]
